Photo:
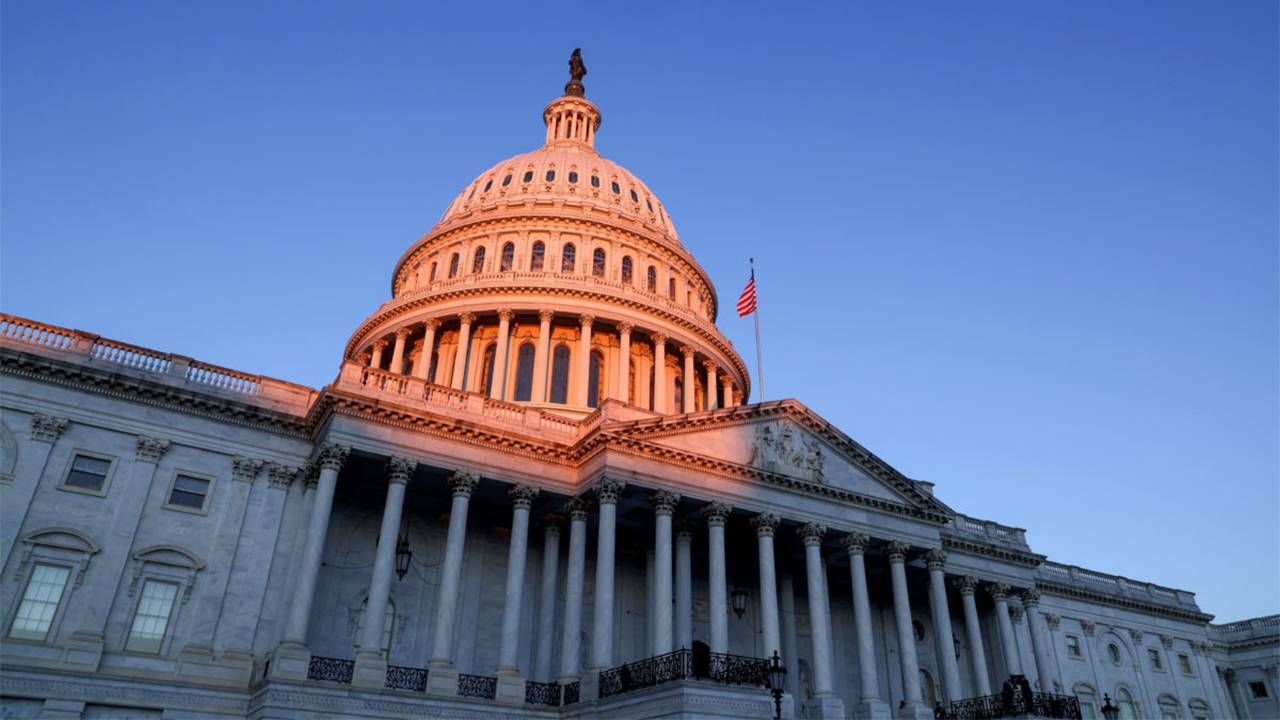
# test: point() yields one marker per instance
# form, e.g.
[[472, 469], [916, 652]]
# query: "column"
[[710, 367], [819, 622], [498, 387], [607, 493], [575, 573], [397, 354], [664, 504], [689, 401], [542, 352], [583, 375], [459, 377], [973, 631], [1239, 699], [443, 678], [684, 586], [330, 459], [936, 561], [661, 385], [870, 704], [906, 637], [1041, 646], [650, 603], [510, 684], [371, 658], [726, 389], [542, 671], [999, 593], [423, 368], [378, 346], [790, 646], [624, 362], [717, 513], [766, 524]]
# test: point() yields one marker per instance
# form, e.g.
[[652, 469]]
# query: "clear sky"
[[1026, 251]]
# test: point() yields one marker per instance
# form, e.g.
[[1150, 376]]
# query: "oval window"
[[616, 189], [634, 198], [488, 185], [595, 181], [573, 177], [551, 175], [528, 176], [506, 180]]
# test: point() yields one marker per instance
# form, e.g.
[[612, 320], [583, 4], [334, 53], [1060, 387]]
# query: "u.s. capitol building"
[[534, 489]]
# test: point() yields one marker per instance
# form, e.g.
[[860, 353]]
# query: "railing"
[[988, 530], [572, 692], [1016, 704], [132, 356], [34, 333], [406, 678], [681, 665], [478, 686], [1254, 627], [1116, 585], [224, 379], [327, 669], [536, 693]]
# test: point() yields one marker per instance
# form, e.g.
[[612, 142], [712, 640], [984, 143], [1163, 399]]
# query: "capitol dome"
[[556, 278]]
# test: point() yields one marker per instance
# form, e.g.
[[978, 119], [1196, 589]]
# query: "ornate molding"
[[1053, 620], [664, 502], [403, 333], [935, 559], [47, 428], [1089, 627], [766, 524], [551, 526], [856, 543], [1015, 614], [1166, 641], [625, 328], [522, 496], [399, 469], [280, 476], [1031, 597], [1135, 635], [897, 551], [150, 449], [999, 591], [586, 320], [506, 314], [578, 509], [966, 584], [608, 490], [546, 315], [245, 469], [332, 456], [811, 534], [716, 513], [310, 475], [462, 484], [683, 532]]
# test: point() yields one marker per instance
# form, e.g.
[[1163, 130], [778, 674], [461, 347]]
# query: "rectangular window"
[[1073, 646], [1184, 662], [39, 603], [151, 620], [88, 472], [1258, 690], [189, 492], [1154, 654]]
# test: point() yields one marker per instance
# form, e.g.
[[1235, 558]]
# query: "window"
[[573, 177], [568, 258], [1113, 651], [595, 181], [617, 190], [477, 265], [537, 256], [1073, 646], [88, 472], [651, 280], [1184, 664], [918, 630], [151, 619], [433, 271], [488, 185], [634, 198], [528, 176], [506, 180], [473, 192], [551, 175], [189, 492], [1124, 701], [487, 370], [595, 380], [597, 262], [39, 603], [1258, 690], [1156, 662], [649, 203], [508, 257], [671, 289], [1168, 708], [626, 270], [524, 372], [453, 266], [927, 688], [1088, 701], [560, 374], [1199, 709]]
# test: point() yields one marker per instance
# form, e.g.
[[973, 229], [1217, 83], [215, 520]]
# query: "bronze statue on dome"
[[577, 71]]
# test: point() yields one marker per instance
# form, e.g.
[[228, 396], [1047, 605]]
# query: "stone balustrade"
[[989, 531], [1115, 585]]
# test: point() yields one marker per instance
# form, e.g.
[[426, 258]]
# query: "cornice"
[[1052, 588], [998, 552]]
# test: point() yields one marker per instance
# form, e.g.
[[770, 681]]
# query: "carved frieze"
[[776, 449]]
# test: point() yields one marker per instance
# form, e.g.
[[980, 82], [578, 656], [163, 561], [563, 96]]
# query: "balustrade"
[[684, 665], [1014, 704], [536, 693], [327, 669], [406, 678], [572, 693], [478, 686]]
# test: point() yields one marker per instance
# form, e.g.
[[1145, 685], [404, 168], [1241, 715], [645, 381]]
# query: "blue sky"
[[1026, 251]]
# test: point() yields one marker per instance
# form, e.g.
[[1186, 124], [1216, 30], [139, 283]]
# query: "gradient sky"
[[1026, 251]]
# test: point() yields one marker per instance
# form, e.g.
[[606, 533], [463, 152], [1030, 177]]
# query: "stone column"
[[711, 385], [650, 604], [423, 368], [543, 351], [914, 706], [790, 645], [510, 683], [371, 658], [664, 504], [973, 631], [689, 404], [575, 573], [583, 378], [824, 703], [870, 705], [542, 671], [1000, 593], [607, 493], [936, 561], [458, 380], [717, 513], [726, 385], [443, 678], [766, 524], [684, 587], [397, 354], [1239, 700], [661, 385], [498, 387], [624, 362], [375, 361], [1041, 646]]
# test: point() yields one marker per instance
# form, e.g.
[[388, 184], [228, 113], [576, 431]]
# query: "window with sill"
[[88, 472], [1073, 646], [453, 266], [151, 617], [537, 256], [40, 602], [508, 258], [477, 264], [189, 492], [568, 258], [1156, 662], [598, 263], [1258, 690], [1184, 664]]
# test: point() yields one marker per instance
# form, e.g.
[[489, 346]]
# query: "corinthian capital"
[[935, 559], [765, 524], [245, 469], [811, 533], [466, 318], [432, 323], [658, 338], [46, 428], [578, 509], [546, 315], [625, 328], [856, 542], [716, 513], [999, 591], [399, 469], [587, 319], [280, 476], [506, 314], [664, 502], [380, 344], [1031, 597], [966, 585], [403, 333], [151, 449], [332, 456], [897, 551], [522, 496], [608, 490], [463, 483]]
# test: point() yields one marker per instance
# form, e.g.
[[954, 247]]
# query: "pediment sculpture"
[[777, 449]]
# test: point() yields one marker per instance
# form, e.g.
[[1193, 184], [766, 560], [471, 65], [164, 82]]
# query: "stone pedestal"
[[62, 710], [84, 651], [197, 664], [826, 707], [510, 688], [875, 709], [442, 680], [370, 670], [289, 661], [589, 688]]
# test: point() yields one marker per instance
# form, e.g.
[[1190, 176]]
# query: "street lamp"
[[404, 555], [1109, 711], [777, 676], [739, 602]]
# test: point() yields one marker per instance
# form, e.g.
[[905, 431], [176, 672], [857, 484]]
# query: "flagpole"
[[759, 350]]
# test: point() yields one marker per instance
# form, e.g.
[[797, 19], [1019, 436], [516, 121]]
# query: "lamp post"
[[777, 676], [739, 602], [404, 555], [1109, 711]]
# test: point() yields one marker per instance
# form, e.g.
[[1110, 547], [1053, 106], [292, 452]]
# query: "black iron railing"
[[406, 678], [329, 669], [572, 692], [536, 693], [478, 686], [1016, 704], [680, 665]]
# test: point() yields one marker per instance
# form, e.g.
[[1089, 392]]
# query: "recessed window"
[[488, 185], [1156, 662], [1184, 664], [39, 603], [634, 198], [453, 266], [651, 280], [598, 262], [508, 257], [189, 492], [151, 619], [626, 270], [648, 202], [538, 255], [88, 473], [595, 181], [433, 271], [551, 175], [477, 264], [918, 630], [568, 258], [1073, 646], [528, 176], [506, 180], [473, 191], [671, 289], [1258, 690], [1113, 651], [617, 189], [573, 177]]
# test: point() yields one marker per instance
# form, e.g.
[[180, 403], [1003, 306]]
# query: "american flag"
[[747, 301]]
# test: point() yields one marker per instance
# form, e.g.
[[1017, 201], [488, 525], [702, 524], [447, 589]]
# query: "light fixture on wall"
[[1109, 711], [739, 602], [404, 555], [777, 676]]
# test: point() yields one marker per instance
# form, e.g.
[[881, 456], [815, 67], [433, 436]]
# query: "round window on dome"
[[573, 177], [595, 181], [634, 198], [617, 189], [488, 185], [649, 202], [528, 176], [551, 175], [506, 180]]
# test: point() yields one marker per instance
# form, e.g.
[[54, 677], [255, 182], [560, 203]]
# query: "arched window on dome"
[[488, 185], [595, 181], [551, 176], [573, 177], [508, 257], [651, 280], [487, 368], [431, 371], [595, 380], [477, 265], [524, 372], [453, 266], [671, 289], [560, 374], [568, 258], [626, 270], [678, 396], [433, 271], [597, 262], [617, 189], [506, 180], [537, 256], [634, 198]]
